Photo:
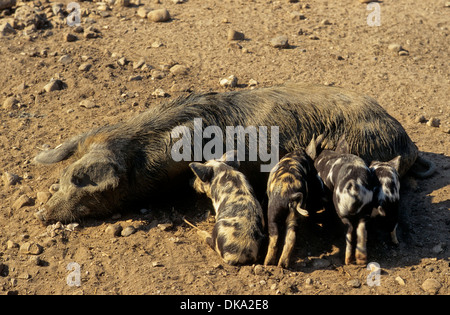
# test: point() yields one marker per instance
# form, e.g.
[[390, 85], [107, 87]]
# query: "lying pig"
[[238, 231]]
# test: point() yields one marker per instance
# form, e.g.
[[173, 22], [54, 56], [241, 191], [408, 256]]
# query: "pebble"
[[354, 283], [400, 280], [280, 42], [122, 61], [431, 286], [10, 179], [11, 103], [53, 188], [159, 93], [70, 37], [420, 119], [252, 82], [157, 264], [434, 122], [6, 29], [54, 85], [86, 66], [165, 226], [10, 244], [160, 15], [128, 231], [235, 35], [113, 230], [231, 81], [65, 59], [138, 64], [143, 12], [179, 70], [22, 201], [135, 78], [30, 248], [87, 104], [395, 47], [123, 3]]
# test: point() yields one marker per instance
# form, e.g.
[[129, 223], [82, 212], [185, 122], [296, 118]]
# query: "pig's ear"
[[61, 152], [230, 158], [203, 172], [99, 175], [342, 145], [395, 162], [315, 146]]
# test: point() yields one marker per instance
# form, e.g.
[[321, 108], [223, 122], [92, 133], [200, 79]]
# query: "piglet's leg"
[[289, 241], [349, 239], [273, 239], [361, 249]]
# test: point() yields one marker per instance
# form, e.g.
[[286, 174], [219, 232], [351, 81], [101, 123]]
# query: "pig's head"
[[91, 186]]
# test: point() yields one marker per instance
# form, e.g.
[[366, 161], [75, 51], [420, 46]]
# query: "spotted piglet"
[[350, 183], [387, 193], [238, 231], [293, 189]]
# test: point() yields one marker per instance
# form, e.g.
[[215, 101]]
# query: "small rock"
[[65, 59], [10, 179], [400, 281], [325, 22], [138, 64], [10, 244], [420, 119], [258, 270], [87, 104], [231, 81], [54, 85], [309, 281], [123, 3], [235, 35], [11, 103], [30, 248], [122, 61], [70, 37], [160, 15], [135, 78], [403, 53], [252, 82], [143, 12], [157, 264], [280, 42], [179, 70], [22, 201], [354, 283], [395, 47], [113, 230], [431, 286], [78, 29], [6, 29], [157, 44], [128, 231], [165, 226], [159, 93], [86, 66], [53, 188], [156, 74], [434, 122]]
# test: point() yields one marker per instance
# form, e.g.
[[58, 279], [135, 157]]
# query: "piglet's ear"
[[395, 162], [230, 158], [203, 172], [342, 146], [378, 212]]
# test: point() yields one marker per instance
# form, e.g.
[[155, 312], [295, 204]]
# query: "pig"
[[294, 189], [387, 194], [239, 228], [350, 182], [116, 166]]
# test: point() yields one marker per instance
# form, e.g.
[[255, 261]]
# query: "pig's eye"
[[82, 180]]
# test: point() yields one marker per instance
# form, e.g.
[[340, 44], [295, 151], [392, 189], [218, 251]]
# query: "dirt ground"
[[330, 42]]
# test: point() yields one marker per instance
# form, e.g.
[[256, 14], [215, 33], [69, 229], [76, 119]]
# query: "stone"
[[30, 248], [235, 35], [231, 81], [113, 230], [42, 197], [160, 15], [122, 61], [434, 122], [6, 29], [138, 64], [420, 119], [10, 244], [399, 280], [29, 16], [128, 231], [395, 47], [280, 42], [11, 103], [123, 3], [431, 286], [54, 85], [179, 70], [86, 66], [165, 226], [69, 37], [87, 104], [143, 12], [354, 283], [65, 59], [135, 78], [22, 201], [159, 93]]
